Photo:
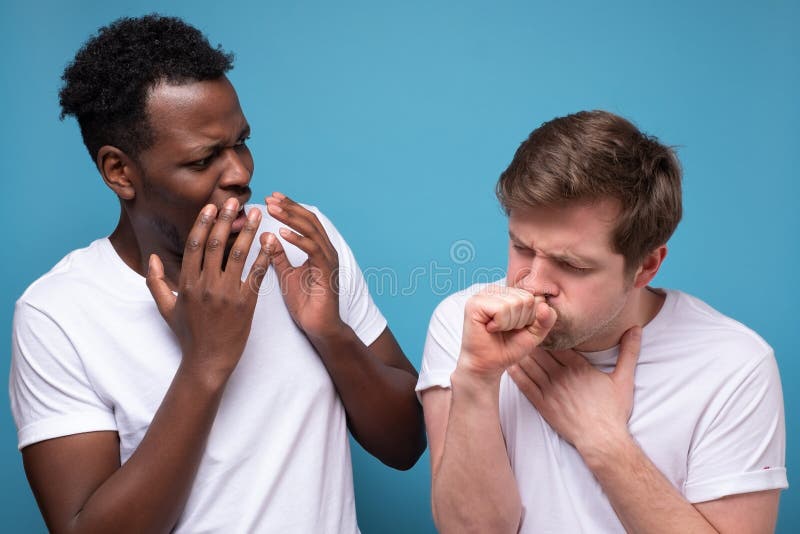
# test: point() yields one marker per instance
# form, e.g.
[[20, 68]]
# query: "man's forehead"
[[195, 111], [581, 228]]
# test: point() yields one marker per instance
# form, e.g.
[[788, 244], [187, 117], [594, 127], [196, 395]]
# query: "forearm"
[[643, 499], [383, 412], [474, 489], [148, 493]]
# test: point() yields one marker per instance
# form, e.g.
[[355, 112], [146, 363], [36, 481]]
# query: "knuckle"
[[227, 216], [237, 255], [258, 271], [193, 243], [213, 243]]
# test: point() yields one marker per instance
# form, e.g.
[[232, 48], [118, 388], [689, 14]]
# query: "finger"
[[296, 211], [526, 384], [513, 305], [546, 361], [258, 270], [302, 220], [215, 246], [157, 284], [545, 318], [629, 349], [316, 254], [528, 313], [569, 358], [241, 247], [195, 243], [277, 255], [496, 311]]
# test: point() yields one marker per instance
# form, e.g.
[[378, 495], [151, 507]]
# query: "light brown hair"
[[593, 155]]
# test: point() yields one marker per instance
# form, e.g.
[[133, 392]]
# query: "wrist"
[[603, 446], [209, 376], [468, 378], [473, 369], [335, 333]]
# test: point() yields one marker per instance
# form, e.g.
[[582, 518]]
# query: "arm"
[[473, 486], [375, 383], [78, 481], [590, 409]]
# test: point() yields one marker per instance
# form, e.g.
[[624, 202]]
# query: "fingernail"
[[232, 204], [254, 214], [278, 194], [208, 209], [275, 208], [285, 232]]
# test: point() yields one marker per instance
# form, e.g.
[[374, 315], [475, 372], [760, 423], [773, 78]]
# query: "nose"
[[538, 278], [238, 169]]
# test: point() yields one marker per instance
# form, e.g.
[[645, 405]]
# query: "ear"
[[649, 267], [118, 170]]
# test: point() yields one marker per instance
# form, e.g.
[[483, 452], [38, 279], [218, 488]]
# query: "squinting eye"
[[242, 141], [201, 163], [574, 269]]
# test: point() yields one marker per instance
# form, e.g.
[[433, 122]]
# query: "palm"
[[311, 300]]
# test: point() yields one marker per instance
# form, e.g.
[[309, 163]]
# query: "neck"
[[134, 246], [641, 307]]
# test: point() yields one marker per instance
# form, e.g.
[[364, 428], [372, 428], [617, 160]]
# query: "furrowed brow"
[[565, 258]]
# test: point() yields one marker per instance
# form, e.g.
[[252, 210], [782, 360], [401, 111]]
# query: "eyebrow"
[[207, 149], [562, 257]]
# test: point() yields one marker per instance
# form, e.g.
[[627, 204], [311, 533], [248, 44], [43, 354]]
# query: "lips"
[[239, 222]]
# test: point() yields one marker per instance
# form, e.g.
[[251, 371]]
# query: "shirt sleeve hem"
[[369, 333], [56, 427], [762, 480], [432, 379]]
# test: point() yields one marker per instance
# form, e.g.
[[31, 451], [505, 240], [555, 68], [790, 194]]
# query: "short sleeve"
[[442, 344], [51, 395], [742, 448], [356, 306]]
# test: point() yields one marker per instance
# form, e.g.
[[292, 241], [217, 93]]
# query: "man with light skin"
[[198, 369], [574, 397]]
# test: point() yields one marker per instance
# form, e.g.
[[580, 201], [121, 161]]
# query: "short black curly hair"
[[105, 86]]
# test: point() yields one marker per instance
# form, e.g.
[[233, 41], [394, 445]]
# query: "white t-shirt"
[[707, 410], [90, 352]]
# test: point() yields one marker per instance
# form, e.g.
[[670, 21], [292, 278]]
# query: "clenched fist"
[[502, 325]]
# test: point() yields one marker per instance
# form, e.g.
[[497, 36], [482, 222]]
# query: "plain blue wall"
[[396, 119]]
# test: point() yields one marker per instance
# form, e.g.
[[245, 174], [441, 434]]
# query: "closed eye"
[[203, 163], [569, 267]]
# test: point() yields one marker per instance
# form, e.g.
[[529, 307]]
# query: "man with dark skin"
[[184, 228]]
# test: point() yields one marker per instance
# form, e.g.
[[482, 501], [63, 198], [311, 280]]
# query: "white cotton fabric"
[[708, 411], [90, 352]]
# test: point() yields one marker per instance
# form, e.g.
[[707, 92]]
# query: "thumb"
[[545, 318], [156, 283], [629, 348]]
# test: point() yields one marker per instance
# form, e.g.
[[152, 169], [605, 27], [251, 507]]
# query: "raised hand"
[[213, 311], [501, 326], [580, 402], [310, 290]]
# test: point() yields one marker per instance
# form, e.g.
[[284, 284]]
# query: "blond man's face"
[[565, 253]]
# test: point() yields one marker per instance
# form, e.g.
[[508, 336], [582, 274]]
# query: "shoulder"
[[698, 331], [705, 321], [69, 280]]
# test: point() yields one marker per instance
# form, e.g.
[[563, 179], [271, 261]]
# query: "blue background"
[[396, 118]]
